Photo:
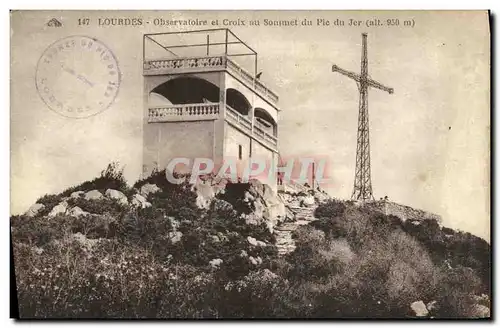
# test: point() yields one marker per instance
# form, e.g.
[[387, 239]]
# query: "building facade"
[[200, 102]]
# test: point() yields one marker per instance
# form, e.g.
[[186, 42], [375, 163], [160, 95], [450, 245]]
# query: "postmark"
[[78, 77]]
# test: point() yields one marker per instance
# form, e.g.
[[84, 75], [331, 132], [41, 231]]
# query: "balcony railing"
[[184, 112], [264, 135], [244, 123], [208, 63], [238, 119], [211, 111]]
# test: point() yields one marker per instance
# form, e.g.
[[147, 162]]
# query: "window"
[[240, 152]]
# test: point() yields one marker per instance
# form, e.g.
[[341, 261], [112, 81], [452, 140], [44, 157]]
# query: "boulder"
[[222, 237], [77, 194], [267, 202], [84, 241], [307, 201], [38, 250], [205, 193], [481, 299], [76, 211], [419, 309], [60, 208], [34, 210], [117, 195], [93, 194], [149, 188], [139, 201], [479, 311], [255, 260], [256, 217], [175, 224], [321, 197], [175, 236], [254, 242], [432, 306], [248, 197], [252, 260], [215, 263]]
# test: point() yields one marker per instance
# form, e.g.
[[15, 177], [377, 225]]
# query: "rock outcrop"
[[60, 208], [205, 193], [479, 311], [77, 194], [117, 195], [93, 194], [34, 210], [77, 211], [215, 263], [175, 236], [148, 188], [254, 242], [419, 309], [139, 201], [267, 207]]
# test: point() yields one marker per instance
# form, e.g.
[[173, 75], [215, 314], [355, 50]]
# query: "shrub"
[[456, 290], [35, 231], [458, 248], [314, 258], [177, 200], [330, 209], [49, 201], [108, 280], [110, 178]]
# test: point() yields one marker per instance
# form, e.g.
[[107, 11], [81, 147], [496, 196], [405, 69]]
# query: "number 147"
[[83, 21]]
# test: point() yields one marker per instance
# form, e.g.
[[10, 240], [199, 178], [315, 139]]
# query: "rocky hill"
[[217, 249]]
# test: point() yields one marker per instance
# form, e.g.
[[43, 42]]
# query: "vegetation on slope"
[[175, 260]]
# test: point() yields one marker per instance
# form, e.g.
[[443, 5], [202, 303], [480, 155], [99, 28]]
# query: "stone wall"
[[402, 211]]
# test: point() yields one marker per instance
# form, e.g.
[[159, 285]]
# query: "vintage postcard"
[[250, 164]]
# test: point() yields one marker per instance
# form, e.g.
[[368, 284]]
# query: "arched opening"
[[158, 100], [188, 90], [237, 101], [265, 121]]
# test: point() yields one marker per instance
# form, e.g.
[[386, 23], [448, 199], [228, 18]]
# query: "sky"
[[429, 140]]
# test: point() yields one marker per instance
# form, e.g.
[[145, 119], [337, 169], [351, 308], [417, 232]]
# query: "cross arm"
[[380, 86], [347, 73], [357, 78]]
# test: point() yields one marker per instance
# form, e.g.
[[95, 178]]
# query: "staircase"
[[283, 232]]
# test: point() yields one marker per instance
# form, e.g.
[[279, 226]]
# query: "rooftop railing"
[[207, 63]]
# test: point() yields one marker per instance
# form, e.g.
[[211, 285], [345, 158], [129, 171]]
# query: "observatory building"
[[203, 99]]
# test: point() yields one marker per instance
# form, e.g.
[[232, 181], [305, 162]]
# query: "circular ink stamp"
[[78, 76]]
